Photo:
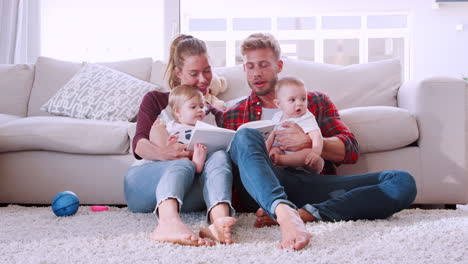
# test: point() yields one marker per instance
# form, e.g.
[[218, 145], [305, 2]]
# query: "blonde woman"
[[169, 183]]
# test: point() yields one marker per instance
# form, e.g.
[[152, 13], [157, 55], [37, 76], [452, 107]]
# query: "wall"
[[438, 49]]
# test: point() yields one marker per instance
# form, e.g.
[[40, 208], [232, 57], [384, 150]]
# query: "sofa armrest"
[[440, 107]]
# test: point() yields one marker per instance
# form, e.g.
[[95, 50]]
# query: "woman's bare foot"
[[263, 219], [220, 230], [199, 157], [293, 232], [178, 233]]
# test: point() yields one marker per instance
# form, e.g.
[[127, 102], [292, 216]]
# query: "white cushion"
[[4, 118], [100, 93], [237, 85], [15, 86], [52, 74], [380, 128], [158, 75], [368, 84], [65, 134]]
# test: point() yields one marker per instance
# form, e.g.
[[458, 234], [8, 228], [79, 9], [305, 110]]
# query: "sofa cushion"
[[15, 86], [380, 128], [368, 84], [65, 134], [4, 118], [158, 71], [52, 74], [101, 93]]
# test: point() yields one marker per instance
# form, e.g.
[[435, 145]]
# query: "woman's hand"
[[292, 138], [171, 151]]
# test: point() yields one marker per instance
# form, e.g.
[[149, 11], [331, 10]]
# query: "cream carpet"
[[35, 235]]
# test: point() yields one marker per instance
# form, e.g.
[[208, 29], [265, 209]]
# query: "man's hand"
[[292, 138]]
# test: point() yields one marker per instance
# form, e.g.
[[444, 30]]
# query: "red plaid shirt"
[[320, 105]]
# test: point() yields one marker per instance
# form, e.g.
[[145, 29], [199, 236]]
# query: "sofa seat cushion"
[[381, 128], [4, 118], [65, 134]]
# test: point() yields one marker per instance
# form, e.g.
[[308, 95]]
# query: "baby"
[[188, 106], [291, 99]]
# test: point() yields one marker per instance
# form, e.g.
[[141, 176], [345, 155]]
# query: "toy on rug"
[[218, 85], [65, 204], [99, 208]]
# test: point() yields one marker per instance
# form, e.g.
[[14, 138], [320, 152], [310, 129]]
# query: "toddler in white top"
[[291, 99], [188, 107]]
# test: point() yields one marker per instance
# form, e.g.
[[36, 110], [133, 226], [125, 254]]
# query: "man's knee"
[[405, 187]]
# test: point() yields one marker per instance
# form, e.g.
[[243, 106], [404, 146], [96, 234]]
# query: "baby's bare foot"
[[220, 230], [199, 157], [178, 233], [293, 232]]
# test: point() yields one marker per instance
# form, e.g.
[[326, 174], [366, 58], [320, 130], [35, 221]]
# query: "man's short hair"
[[261, 41]]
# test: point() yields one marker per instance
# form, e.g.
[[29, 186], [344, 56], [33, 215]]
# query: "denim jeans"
[[146, 186], [328, 197]]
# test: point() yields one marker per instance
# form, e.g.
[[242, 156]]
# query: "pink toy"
[[99, 208]]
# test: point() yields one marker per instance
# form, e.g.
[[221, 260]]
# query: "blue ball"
[[65, 204]]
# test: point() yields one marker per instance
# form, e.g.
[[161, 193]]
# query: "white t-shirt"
[[307, 121]]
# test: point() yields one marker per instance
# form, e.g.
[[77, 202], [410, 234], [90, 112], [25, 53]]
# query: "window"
[[326, 37], [102, 30]]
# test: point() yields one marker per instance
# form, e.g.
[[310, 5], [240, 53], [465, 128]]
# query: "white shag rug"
[[36, 235]]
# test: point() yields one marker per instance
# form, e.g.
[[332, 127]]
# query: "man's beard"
[[272, 84]]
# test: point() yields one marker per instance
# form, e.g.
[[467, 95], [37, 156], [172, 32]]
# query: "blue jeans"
[[146, 186], [327, 197]]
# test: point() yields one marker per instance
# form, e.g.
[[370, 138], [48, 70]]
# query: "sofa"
[[419, 126]]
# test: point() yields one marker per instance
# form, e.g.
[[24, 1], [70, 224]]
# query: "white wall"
[[438, 49]]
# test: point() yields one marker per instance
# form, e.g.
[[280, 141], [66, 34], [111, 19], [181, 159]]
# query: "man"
[[280, 191]]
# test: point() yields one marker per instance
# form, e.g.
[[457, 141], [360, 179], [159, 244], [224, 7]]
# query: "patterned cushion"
[[101, 93]]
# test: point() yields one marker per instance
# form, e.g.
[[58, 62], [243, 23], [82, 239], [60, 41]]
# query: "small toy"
[[65, 204], [99, 208], [218, 85]]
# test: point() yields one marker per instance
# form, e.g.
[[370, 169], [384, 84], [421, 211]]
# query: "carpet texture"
[[36, 235]]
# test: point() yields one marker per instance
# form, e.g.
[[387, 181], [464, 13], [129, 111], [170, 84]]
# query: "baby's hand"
[[274, 154], [159, 122]]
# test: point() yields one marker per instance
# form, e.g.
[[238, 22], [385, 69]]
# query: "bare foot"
[[178, 233], [199, 157], [220, 230], [263, 219], [293, 232]]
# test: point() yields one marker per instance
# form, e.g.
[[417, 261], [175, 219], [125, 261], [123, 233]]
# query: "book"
[[217, 138]]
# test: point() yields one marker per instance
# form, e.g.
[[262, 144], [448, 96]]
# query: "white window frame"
[[319, 35]]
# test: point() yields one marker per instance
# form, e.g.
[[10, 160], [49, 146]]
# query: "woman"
[[149, 186]]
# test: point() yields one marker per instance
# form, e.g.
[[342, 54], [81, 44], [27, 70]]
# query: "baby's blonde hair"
[[288, 80], [181, 94]]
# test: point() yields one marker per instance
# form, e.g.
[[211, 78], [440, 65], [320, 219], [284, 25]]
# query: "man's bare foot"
[[199, 157], [220, 230], [293, 232], [263, 219], [178, 233]]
